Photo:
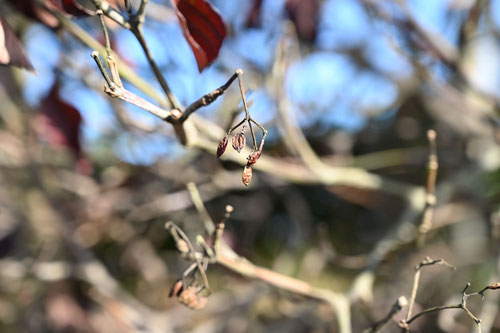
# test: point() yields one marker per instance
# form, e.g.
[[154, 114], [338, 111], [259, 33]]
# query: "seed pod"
[[247, 175], [239, 141], [222, 147], [252, 159], [176, 289]]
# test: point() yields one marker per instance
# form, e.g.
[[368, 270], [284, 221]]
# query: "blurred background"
[[347, 90]]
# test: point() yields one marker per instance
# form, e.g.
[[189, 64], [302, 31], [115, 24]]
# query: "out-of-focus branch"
[[134, 24], [404, 324], [400, 303], [225, 256], [430, 199], [416, 279]]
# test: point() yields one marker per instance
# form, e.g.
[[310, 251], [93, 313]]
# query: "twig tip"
[[431, 135]]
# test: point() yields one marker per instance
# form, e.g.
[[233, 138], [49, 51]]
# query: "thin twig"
[[404, 324], [207, 99], [178, 234], [112, 13], [239, 72], [200, 207], [141, 12], [159, 76], [430, 201], [398, 306], [426, 262]]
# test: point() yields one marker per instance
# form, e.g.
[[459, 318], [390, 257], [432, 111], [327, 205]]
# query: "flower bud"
[[252, 159], [222, 147], [239, 141], [247, 175]]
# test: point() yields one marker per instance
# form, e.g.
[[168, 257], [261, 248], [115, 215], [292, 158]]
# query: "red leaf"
[[11, 49], [304, 15], [254, 14], [28, 8], [203, 28], [74, 8], [59, 121]]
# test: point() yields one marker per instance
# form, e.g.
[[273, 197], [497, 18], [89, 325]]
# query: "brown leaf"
[[11, 49], [203, 28]]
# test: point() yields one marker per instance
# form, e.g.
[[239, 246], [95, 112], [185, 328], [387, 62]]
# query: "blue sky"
[[324, 85]]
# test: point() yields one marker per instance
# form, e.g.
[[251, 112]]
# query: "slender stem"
[[208, 98], [125, 71], [416, 280], [159, 76], [112, 13], [433, 309], [200, 207], [174, 229], [105, 31], [239, 72], [236, 126], [128, 7], [97, 58], [141, 12]]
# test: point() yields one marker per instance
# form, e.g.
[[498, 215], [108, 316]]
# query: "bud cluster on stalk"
[[239, 142]]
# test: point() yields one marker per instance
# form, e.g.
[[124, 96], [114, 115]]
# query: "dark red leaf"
[[254, 14], [11, 49], [59, 121], [31, 10], [59, 124], [304, 15], [74, 8], [203, 28]]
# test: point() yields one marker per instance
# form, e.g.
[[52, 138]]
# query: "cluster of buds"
[[188, 296], [238, 143]]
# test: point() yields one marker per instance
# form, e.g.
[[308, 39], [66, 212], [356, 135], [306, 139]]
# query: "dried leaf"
[[11, 49], [203, 28]]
